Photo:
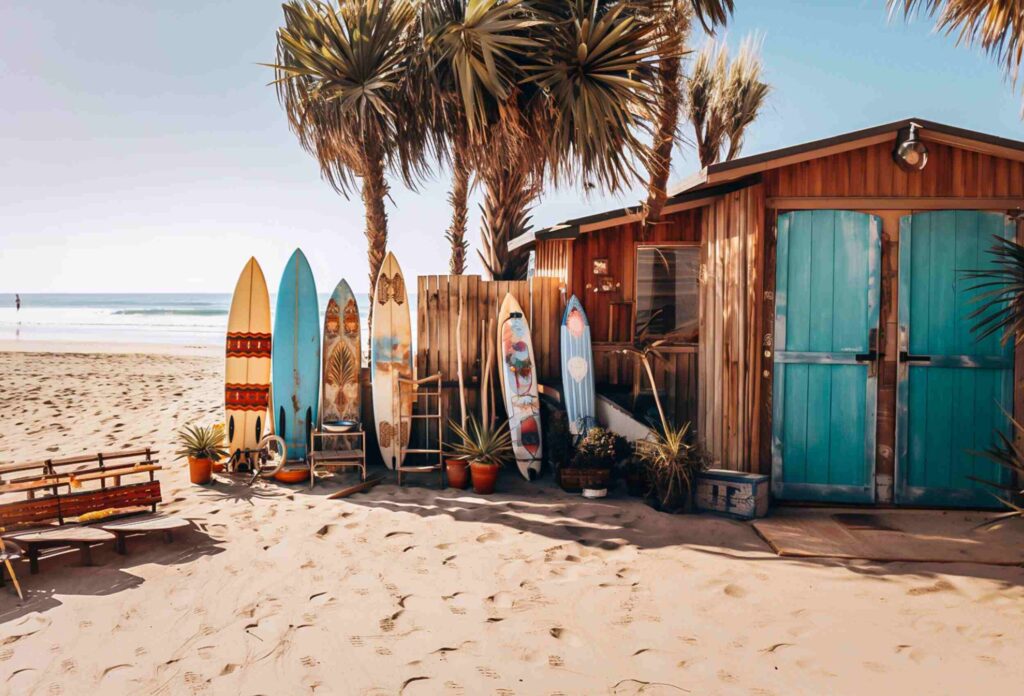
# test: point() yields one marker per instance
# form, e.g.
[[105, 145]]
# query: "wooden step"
[[419, 469], [421, 451], [336, 455]]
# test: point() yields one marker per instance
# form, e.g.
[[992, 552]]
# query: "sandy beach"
[[531, 591]]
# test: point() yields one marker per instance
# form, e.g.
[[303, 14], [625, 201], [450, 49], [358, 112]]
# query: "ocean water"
[[192, 319]]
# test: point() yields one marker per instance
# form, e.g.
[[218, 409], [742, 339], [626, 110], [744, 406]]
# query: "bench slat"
[[55, 480], [133, 495]]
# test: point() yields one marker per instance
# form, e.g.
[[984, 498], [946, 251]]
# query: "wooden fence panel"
[[438, 332]]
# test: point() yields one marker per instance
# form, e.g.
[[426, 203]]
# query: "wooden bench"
[[56, 491]]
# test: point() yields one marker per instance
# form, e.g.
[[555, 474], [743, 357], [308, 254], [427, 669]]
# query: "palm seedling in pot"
[[486, 448], [202, 446]]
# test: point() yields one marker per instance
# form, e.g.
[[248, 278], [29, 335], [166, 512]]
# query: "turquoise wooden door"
[[826, 328], [951, 388]]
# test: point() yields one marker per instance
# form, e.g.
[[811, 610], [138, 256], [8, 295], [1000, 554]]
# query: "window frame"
[[637, 248]]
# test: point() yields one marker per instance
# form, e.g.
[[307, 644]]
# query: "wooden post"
[[458, 358]]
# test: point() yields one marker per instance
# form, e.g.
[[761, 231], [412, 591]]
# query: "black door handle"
[[870, 356], [907, 357]]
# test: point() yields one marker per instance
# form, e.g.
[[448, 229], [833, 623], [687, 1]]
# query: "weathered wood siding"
[[612, 315], [553, 259], [731, 309], [730, 376], [438, 310], [870, 171]]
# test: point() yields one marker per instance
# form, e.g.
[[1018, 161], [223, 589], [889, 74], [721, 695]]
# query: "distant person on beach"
[[17, 302]]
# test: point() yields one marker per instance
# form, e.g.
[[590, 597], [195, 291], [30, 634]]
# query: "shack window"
[[666, 291]]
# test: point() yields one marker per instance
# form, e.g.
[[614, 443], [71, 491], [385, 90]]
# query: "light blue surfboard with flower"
[[577, 368]]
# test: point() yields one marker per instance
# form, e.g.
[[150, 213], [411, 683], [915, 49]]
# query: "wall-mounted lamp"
[[910, 154]]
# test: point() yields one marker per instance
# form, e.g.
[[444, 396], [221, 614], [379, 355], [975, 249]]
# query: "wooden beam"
[[894, 203], [972, 145], [799, 154]]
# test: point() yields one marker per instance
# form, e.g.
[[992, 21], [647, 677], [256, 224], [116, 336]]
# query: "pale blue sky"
[[142, 150]]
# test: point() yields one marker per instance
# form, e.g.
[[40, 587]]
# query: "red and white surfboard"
[[247, 368]]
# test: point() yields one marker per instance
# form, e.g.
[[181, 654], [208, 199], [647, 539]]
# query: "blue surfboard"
[[296, 357], [577, 368]]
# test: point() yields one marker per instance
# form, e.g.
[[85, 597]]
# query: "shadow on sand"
[[542, 508], [61, 574]]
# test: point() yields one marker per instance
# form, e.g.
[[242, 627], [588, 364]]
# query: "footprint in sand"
[[939, 586], [734, 591]]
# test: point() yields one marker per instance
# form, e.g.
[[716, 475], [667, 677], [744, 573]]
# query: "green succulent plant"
[[482, 443], [672, 465], [201, 442]]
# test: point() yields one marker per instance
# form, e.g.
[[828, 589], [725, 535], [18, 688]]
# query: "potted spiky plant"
[[672, 467], [486, 448], [202, 446]]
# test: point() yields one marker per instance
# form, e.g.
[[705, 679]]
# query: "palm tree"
[[579, 110], [672, 19], [724, 98], [470, 49], [995, 25], [343, 78]]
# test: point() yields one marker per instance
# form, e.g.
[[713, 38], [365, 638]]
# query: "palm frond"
[[997, 26], [596, 72], [1000, 288]]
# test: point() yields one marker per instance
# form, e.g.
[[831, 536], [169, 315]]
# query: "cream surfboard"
[[342, 360], [519, 386], [390, 359], [247, 368]]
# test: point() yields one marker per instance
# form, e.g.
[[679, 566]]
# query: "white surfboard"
[[517, 367], [390, 359]]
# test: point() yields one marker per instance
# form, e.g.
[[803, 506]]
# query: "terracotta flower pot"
[[458, 472], [485, 477], [200, 471]]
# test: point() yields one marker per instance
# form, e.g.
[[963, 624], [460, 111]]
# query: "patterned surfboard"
[[519, 386], [247, 362], [577, 368], [341, 358], [390, 359], [296, 357]]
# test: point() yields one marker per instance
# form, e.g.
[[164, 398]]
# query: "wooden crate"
[[735, 493]]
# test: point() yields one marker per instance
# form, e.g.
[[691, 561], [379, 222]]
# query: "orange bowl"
[[292, 475]]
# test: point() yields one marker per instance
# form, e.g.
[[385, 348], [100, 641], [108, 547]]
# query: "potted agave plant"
[[486, 448], [202, 446], [673, 464]]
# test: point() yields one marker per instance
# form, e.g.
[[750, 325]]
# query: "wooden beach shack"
[[819, 296]]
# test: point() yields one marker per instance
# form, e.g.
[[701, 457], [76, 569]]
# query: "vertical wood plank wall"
[[612, 316], [731, 377], [731, 307], [437, 319]]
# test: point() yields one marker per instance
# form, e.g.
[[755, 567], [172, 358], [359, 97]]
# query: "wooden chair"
[[332, 457], [431, 413]]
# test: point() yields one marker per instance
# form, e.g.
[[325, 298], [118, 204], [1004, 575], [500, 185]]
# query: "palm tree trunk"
[[508, 193], [375, 189], [458, 196], [669, 98]]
